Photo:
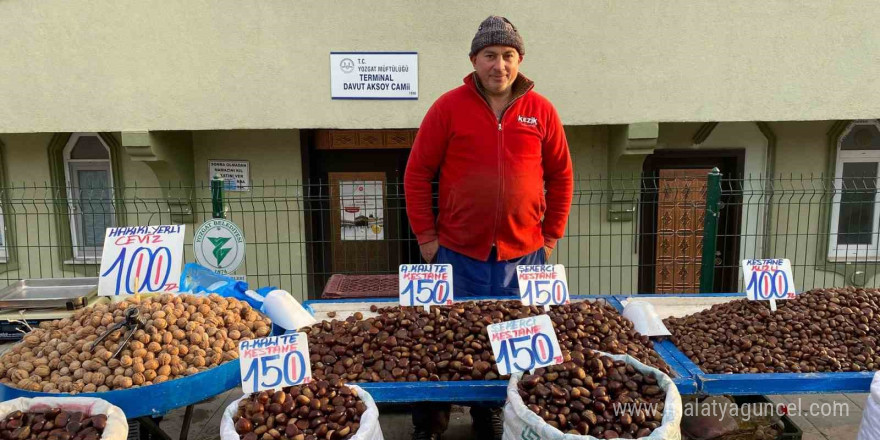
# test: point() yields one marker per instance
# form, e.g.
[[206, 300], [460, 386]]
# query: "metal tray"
[[69, 293]]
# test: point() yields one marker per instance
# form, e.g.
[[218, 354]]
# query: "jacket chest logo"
[[527, 120]]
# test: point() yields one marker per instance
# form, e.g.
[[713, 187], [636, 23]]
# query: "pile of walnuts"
[[182, 335]]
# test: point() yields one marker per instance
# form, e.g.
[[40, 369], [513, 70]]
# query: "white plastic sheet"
[[369, 429], [520, 423], [870, 428], [117, 426], [644, 318]]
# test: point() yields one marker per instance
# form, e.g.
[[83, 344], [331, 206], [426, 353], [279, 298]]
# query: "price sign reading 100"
[[141, 259]]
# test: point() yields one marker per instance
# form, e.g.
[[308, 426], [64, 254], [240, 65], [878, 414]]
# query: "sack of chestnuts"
[[319, 410], [593, 395], [61, 418]]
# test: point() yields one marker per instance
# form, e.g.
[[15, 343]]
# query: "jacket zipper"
[[500, 153]]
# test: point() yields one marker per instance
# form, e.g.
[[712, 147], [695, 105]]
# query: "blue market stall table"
[[462, 392], [742, 383], [145, 402]]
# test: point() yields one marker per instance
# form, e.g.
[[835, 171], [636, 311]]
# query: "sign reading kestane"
[[374, 75]]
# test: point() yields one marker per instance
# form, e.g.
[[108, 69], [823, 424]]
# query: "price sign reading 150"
[[274, 362], [542, 285], [425, 285], [524, 344]]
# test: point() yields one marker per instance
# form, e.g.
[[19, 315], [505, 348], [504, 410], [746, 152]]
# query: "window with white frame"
[[855, 215], [90, 193]]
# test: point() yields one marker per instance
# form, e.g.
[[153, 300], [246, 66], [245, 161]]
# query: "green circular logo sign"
[[219, 245]]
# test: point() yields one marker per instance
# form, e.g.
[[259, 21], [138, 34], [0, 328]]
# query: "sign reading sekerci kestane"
[[274, 362], [542, 285], [524, 344]]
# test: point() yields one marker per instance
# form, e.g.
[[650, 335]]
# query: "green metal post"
[[710, 231], [217, 196]]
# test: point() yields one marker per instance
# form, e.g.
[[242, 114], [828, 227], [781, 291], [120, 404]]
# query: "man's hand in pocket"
[[429, 250]]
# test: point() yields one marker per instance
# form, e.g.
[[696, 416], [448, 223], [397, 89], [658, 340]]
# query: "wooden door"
[[681, 210], [359, 226]]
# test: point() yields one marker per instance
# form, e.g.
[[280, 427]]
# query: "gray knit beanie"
[[497, 30]]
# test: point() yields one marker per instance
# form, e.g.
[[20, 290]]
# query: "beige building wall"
[[799, 215], [602, 256], [196, 65], [271, 214], [29, 218]]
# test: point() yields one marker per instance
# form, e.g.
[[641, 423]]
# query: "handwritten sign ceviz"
[[524, 344], [425, 285], [768, 280], [141, 259], [274, 362], [542, 285]]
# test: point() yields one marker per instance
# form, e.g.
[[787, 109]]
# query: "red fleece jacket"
[[492, 174]]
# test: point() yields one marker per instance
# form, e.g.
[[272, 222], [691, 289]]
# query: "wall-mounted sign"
[[235, 173], [219, 245], [374, 75], [362, 213]]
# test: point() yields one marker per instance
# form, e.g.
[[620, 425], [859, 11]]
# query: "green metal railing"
[[710, 231], [614, 242]]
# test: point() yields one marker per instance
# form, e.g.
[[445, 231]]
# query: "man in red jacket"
[[505, 181]]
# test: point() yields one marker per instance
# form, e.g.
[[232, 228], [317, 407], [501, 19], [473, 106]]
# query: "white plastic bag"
[[870, 428], [369, 429], [520, 423], [117, 426]]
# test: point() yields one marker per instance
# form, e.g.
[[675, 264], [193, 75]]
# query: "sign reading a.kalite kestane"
[[374, 75], [524, 344], [425, 285], [141, 259], [274, 362]]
